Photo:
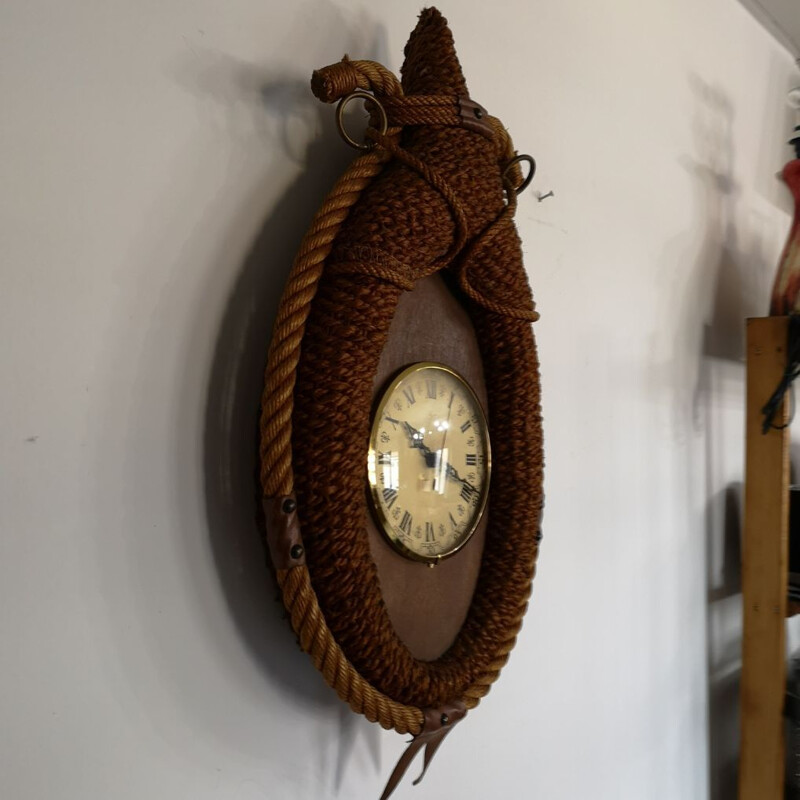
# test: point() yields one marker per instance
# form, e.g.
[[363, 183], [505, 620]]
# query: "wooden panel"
[[764, 570], [428, 606]]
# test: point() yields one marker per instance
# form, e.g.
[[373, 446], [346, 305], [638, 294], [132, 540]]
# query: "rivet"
[[296, 551], [288, 506], [478, 113], [445, 719]]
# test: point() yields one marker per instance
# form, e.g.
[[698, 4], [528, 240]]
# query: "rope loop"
[[333, 82]]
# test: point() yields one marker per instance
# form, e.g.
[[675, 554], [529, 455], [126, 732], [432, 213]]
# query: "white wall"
[[159, 162]]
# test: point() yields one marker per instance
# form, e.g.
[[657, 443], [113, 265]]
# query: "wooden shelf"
[[764, 570]]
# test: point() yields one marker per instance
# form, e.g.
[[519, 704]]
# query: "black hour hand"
[[416, 440]]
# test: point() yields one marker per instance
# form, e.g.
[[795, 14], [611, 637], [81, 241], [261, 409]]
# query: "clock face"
[[429, 462]]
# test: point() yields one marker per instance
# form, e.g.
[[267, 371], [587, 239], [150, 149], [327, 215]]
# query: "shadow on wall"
[[723, 297], [727, 280], [708, 301], [729, 284], [732, 262], [232, 490], [231, 428], [724, 574]]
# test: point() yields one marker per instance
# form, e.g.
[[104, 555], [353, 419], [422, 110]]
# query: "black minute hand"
[[453, 473]]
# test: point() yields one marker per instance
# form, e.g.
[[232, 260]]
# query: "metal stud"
[[289, 505]]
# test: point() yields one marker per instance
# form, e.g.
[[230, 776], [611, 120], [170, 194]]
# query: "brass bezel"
[[382, 522]]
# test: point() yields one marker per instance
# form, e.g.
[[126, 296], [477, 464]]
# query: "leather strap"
[[473, 117], [449, 110], [283, 532], [438, 723]]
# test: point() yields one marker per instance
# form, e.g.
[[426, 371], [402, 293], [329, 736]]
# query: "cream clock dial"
[[429, 462]]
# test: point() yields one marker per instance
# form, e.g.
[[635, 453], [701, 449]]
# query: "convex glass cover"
[[429, 462]]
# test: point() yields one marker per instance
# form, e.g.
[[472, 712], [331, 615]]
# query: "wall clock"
[[429, 462], [401, 442]]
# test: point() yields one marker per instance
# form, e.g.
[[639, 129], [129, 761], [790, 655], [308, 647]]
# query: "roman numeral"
[[466, 426], [430, 388], [429, 532], [405, 523], [386, 458], [472, 459], [466, 493], [389, 496], [453, 521], [409, 393]]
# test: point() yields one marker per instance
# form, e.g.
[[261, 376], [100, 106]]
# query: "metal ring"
[[367, 97], [518, 160]]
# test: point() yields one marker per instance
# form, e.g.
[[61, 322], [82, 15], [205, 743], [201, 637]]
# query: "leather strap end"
[[474, 117], [283, 532], [438, 723]]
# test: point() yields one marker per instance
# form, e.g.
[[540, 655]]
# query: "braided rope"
[[435, 179], [298, 595], [423, 110]]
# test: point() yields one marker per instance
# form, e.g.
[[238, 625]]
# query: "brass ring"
[[518, 160], [366, 96]]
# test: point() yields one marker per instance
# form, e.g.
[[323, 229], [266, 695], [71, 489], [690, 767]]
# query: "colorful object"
[[786, 289]]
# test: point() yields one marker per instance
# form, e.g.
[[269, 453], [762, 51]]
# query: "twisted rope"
[[276, 416], [284, 351], [330, 84], [316, 639]]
